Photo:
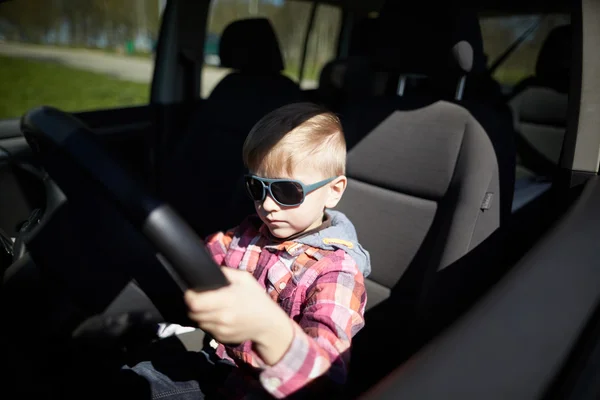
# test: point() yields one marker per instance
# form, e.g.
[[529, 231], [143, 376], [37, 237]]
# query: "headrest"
[[419, 41], [413, 40], [467, 28], [554, 61], [433, 44], [463, 55], [250, 45], [332, 75]]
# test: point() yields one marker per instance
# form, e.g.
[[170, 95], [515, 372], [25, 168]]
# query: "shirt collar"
[[292, 247]]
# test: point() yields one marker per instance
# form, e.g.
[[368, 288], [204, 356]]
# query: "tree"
[[85, 20]]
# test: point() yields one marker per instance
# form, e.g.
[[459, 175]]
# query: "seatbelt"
[[500, 60]]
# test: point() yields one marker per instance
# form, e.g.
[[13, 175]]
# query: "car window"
[[290, 21], [500, 32], [322, 43], [76, 55], [540, 112]]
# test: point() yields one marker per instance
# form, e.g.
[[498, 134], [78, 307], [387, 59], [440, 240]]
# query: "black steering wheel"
[[74, 158]]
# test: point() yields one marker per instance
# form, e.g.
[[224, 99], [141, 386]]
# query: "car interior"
[[477, 199]]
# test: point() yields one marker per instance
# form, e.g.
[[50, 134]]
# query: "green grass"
[[27, 83], [511, 76], [311, 73]]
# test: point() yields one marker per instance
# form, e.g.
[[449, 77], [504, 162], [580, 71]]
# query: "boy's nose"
[[269, 204]]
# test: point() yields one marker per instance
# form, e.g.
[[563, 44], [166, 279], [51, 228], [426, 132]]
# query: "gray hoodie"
[[333, 238]]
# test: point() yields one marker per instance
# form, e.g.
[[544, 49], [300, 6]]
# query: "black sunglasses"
[[285, 192]]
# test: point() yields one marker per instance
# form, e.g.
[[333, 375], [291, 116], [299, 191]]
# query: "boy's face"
[[284, 222]]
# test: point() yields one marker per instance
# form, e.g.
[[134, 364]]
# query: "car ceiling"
[[483, 6]]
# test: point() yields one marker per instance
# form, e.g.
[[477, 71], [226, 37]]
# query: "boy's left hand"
[[238, 312]]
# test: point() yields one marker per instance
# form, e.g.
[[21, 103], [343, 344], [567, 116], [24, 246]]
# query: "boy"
[[296, 295]]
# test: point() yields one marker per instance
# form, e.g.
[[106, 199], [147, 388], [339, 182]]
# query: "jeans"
[[185, 377]]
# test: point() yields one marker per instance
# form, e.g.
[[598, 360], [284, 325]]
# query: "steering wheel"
[[67, 148]]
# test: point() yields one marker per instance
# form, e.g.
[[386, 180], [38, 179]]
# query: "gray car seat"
[[423, 173], [423, 193], [429, 187], [539, 105], [421, 160]]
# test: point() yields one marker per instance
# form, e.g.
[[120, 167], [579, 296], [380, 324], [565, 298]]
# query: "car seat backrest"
[[539, 103], [540, 116], [423, 185]]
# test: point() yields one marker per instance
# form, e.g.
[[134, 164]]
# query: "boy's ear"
[[336, 190]]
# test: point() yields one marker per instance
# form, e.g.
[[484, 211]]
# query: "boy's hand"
[[243, 311]]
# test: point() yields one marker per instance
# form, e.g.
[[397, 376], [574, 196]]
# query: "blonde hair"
[[297, 133]]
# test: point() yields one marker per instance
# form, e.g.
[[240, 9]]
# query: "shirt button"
[[271, 384], [282, 286], [214, 344]]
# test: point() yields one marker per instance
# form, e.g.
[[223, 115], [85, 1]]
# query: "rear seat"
[[540, 102], [540, 105], [343, 80], [207, 163]]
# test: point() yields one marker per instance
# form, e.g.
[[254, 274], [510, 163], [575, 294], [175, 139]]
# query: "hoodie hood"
[[340, 235]]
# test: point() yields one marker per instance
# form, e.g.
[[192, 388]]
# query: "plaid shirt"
[[323, 291]]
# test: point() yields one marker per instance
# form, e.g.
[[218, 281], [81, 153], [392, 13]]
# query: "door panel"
[[516, 339], [126, 132], [16, 198]]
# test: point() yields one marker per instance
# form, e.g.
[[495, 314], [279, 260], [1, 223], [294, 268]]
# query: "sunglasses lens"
[[287, 193], [255, 188]]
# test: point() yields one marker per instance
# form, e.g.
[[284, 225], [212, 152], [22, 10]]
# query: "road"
[[130, 68]]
